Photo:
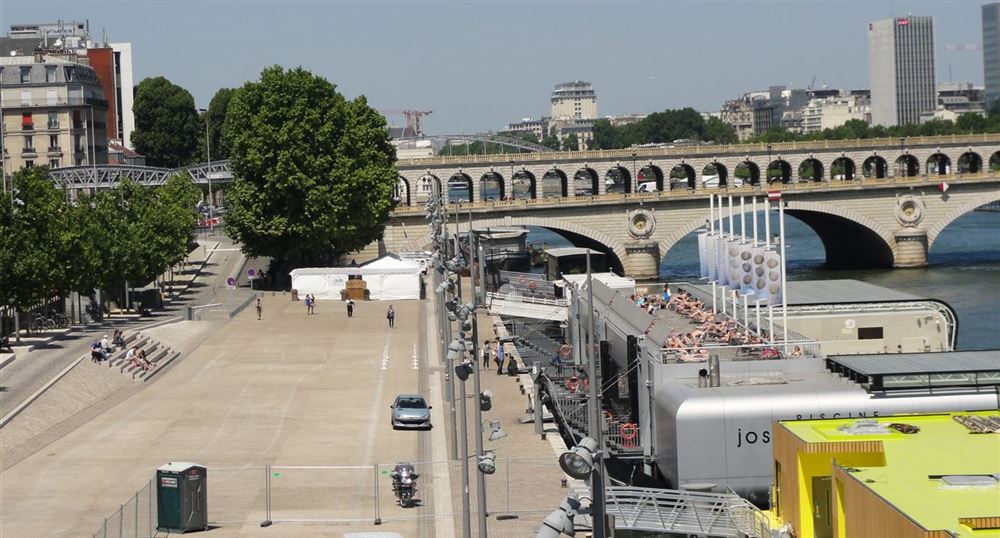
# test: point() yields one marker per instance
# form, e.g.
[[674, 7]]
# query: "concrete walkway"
[[290, 390]]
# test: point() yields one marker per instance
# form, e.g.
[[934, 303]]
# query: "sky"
[[479, 65]]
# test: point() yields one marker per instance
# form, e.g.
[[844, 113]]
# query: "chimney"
[[39, 57], [702, 378]]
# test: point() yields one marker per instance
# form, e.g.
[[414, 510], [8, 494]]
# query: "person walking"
[[308, 304], [260, 308], [350, 308], [499, 357], [486, 354], [391, 316]]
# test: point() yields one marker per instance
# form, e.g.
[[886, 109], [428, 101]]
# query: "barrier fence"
[[361, 495]]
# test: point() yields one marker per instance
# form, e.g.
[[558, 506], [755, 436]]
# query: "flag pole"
[[784, 268], [732, 229], [767, 224], [743, 209], [753, 200], [711, 214]]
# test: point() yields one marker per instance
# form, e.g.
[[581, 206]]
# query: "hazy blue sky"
[[481, 64]]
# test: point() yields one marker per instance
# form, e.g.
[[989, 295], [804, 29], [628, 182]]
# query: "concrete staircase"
[[156, 353]]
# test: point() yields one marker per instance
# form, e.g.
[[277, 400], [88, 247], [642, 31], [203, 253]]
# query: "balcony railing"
[[62, 101]]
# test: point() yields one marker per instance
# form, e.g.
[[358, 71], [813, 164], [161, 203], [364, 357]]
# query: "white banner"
[[702, 256], [772, 271]]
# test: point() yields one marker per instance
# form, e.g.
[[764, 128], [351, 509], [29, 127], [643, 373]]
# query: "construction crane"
[[412, 119]]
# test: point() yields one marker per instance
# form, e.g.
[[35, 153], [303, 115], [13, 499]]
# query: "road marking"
[[415, 362], [385, 354]]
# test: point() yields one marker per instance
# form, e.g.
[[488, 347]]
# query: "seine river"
[[964, 270]]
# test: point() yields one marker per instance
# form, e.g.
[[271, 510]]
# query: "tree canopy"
[[168, 130], [314, 173], [215, 117]]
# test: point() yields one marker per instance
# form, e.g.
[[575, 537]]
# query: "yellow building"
[[902, 476]]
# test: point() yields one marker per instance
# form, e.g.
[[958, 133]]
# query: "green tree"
[[167, 126], [719, 132], [551, 140], [314, 173], [34, 252], [571, 143], [215, 117], [605, 135]]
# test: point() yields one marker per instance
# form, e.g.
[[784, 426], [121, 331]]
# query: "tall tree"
[[218, 107], [719, 132], [167, 126], [314, 172], [571, 143], [551, 140], [604, 135]]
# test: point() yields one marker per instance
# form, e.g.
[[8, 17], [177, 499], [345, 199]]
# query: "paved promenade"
[[290, 390]]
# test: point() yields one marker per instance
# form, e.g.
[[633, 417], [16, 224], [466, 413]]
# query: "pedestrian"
[[260, 308], [312, 304], [391, 316], [499, 357], [486, 354], [106, 344], [350, 308]]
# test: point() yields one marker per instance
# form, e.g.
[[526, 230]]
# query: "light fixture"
[[487, 463], [496, 431], [579, 461], [464, 370], [486, 400], [560, 521]]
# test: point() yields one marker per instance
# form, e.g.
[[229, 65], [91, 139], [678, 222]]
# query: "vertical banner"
[[733, 248], [746, 269], [772, 268], [702, 255], [759, 275]]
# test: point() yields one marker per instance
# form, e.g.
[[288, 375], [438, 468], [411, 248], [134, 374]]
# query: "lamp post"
[[635, 178], [767, 167], [208, 171]]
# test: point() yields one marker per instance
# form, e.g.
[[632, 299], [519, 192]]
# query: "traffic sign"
[[231, 282], [251, 272]]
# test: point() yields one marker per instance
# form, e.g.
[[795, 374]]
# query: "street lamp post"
[[635, 178], [767, 167], [208, 171]]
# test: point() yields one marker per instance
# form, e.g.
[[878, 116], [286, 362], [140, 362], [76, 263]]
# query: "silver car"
[[410, 411]]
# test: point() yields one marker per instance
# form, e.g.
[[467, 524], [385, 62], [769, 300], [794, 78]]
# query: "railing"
[[710, 150], [135, 518], [746, 189], [683, 512], [60, 101]]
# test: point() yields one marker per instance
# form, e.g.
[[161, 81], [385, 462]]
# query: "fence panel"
[[390, 509], [236, 494], [323, 493]]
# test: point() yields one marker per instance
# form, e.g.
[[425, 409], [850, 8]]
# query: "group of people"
[[136, 357], [102, 349], [651, 303], [310, 302], [498, 355], [711, 327]]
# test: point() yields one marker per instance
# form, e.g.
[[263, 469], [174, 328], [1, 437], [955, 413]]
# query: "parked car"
[[410, 411]]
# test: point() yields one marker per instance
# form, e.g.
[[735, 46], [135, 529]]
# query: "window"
[[29, 164], [53, 142], [870, 333], [53, 120], [27, 143], [53, 163], [25, 75], [27, 123], [25, 98], [79, 161], [78, 143], [50, 73], [69, 74]]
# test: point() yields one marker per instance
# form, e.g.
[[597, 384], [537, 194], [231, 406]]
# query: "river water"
[[964, 270]]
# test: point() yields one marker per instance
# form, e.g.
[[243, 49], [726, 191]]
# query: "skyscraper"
[[901, 69], [991, 52]]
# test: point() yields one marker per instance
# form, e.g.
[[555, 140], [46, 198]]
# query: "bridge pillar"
[[642, 261], [911, 248]]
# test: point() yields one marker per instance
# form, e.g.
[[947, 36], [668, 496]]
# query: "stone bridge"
[[691, 167], [865, 222]]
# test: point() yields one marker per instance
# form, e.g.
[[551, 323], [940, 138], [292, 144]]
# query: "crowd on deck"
[[710, 328]]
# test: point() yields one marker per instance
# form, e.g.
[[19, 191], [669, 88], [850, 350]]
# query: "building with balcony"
[[575, 100], [54, 112], [111, 61]]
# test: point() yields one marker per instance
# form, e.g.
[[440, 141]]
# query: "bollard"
[[267, 497], [378, 519], [189, 313]]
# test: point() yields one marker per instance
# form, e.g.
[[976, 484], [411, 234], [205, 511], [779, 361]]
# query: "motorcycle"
[[404, 484]]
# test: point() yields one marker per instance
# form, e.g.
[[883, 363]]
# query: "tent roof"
[[392, 262]]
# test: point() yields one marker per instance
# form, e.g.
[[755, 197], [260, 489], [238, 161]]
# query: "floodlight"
[[485, 400], [496, 431], [463, 370], [560, 521], [487, 463], [579, 461]]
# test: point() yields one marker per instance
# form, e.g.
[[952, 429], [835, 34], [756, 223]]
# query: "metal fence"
[[358, 495]]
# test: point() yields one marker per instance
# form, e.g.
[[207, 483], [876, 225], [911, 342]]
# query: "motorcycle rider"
[[404, 483]]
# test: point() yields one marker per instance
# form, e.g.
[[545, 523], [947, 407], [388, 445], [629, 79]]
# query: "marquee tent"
[[388, 279]]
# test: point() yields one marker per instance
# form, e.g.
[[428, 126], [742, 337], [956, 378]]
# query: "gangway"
[[522, 306], [685, 512]]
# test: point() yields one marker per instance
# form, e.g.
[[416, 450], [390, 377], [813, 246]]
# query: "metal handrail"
[[683, 512]]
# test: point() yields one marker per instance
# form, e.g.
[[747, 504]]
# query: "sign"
[[251, 272], [231, 282], [206, 223], [902, 22], [943, 187], [168, 482], [773, 196]]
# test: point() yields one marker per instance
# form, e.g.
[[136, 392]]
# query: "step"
[[150, 350], [155, 357], [119, 356], [160, 365]]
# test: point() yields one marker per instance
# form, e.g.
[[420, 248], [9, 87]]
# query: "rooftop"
[[910, 480]]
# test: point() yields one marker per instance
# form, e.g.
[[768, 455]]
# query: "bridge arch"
[[875, 167], [650, 173], [586, 182], [427, 185], [983, 198], [491, 187], [811, 169], [779, 171], [970, 162], [554, 184], [842, 168], [523, 185], [718, 170], [748, 171], [995, 161], [907, 165], [938, 164], [617, 179], [460, 187], [682, 176], [402, 192]]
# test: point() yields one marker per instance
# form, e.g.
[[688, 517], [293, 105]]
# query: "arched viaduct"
[[872, 223]]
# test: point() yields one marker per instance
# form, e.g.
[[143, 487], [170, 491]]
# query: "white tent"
[[388, 279]]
